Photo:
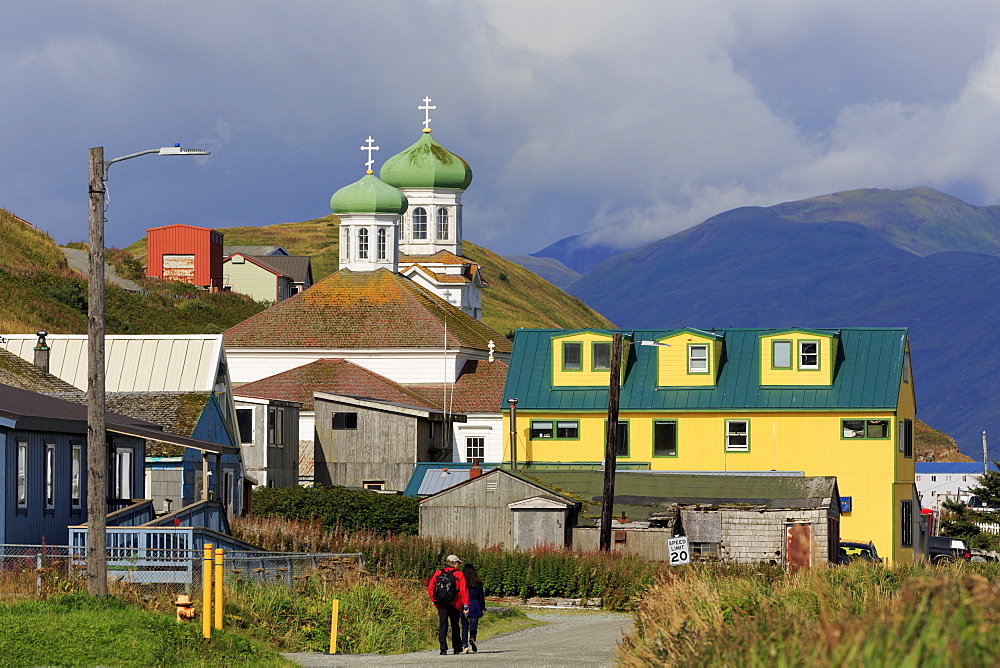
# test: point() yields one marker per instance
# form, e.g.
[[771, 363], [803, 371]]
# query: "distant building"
[[185, 253], [940, 481]]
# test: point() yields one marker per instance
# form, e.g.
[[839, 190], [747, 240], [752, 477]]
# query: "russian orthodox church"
[[418, 197]]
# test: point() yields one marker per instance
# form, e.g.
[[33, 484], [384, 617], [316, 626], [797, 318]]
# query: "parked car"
[[945, 549], [851, 550]]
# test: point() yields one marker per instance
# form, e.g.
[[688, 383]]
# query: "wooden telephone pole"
[[611, 442]]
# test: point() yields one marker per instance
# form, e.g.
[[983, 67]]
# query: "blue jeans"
[[470, 625]]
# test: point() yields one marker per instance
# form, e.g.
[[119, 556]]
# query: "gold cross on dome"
[[369, 148], [426, 108]]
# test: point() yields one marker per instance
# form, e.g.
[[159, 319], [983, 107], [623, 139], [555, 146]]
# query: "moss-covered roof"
[[377, 309], [20, 373], [426, 164], [176, 412]]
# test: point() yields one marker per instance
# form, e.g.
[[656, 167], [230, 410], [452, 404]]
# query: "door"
[[798, 546]]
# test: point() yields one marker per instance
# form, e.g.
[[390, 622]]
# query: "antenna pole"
[[986, 461]]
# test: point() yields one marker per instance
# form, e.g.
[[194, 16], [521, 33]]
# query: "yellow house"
[[801, 401]]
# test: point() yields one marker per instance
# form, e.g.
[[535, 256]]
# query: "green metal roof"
[[368, 195], [866, 375], [426, 164], [640, 493]]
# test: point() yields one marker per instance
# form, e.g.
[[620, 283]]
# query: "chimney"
[[476, 470], [42, 352]]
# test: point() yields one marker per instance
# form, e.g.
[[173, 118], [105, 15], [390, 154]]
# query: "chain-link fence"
[[160, 574]]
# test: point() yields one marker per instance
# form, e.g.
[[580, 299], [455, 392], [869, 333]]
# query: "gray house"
[[372, 444], [269, 439]]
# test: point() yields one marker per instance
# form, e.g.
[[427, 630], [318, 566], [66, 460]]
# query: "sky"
[[628, 121]]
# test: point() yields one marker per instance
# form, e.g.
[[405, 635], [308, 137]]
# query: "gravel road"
[[568, 638]]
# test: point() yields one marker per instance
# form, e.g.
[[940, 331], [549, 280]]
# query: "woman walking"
[[477, 606]]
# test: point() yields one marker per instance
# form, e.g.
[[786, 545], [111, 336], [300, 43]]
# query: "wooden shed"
[[499, 508], [185, 253]]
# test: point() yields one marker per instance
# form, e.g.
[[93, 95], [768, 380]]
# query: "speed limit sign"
[[677, 548]]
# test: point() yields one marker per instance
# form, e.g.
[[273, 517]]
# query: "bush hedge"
[[340, 508]]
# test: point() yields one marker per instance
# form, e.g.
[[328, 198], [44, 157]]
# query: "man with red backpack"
[[450, 595]]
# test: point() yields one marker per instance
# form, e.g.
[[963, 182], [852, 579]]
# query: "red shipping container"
[[185, 253]]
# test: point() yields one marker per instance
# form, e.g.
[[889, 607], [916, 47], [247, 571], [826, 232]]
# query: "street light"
[[97, 459]]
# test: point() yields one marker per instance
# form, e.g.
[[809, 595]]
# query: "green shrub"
[[340, 508]]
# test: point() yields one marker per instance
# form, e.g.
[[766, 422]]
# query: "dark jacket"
[[477, 602]]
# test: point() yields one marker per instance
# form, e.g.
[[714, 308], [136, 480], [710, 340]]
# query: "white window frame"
[[363, 243], [22, 474], [732, 434], [475, 448], [123, 472], [346, 238], [383, 246], [76, 468], [695, 360], [803, 354], [50, 476], [419, 219], [442, 224]]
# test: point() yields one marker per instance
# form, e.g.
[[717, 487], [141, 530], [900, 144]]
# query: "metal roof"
[[955, 468], [868, 368], [146, 363], [37, 412], [427, 477]]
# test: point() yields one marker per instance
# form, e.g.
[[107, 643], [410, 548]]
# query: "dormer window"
[[601, 356], [363, 243], [442, 224], [420, 223], [808, 354], [781, 354], [572, 357], [697, 358]]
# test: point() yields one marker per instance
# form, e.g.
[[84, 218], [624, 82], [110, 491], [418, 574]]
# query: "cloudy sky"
[[632, 119]]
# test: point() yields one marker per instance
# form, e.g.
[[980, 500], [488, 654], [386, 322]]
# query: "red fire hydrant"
[[185, 608]]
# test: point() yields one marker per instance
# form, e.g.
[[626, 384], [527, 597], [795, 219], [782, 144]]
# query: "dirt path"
[[566, 639]]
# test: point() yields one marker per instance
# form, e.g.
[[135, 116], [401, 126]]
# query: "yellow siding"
[[871, 471], [249, 279], [672, 362], [796, 375], [586, 376]]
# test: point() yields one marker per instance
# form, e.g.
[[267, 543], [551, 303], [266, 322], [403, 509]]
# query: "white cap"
[[452, 557]]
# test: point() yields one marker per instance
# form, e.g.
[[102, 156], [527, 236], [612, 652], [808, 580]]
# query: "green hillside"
[[515, 297], [40, 291]]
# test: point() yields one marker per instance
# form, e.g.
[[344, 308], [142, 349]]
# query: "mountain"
[[515, 297], [809, 264], [549, 268], [579, 252]]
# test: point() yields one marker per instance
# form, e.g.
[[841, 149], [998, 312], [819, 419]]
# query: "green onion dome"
[[368, 195], [426, 164]]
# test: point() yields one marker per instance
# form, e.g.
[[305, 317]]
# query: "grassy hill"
[[40, 291], [515, 297]]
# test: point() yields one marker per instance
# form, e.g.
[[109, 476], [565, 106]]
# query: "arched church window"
[[363, 243], [381, 243], [345, 234], [420, 223], [442, 224]]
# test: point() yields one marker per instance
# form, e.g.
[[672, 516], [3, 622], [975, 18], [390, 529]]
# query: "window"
[[621, 446], [345, 421], [572, 356], [363, 243], [276, 426], [420, 223], [541, 429], [567, 429], [74, 484], [704, 551], [906, 523], [442, 224], [737, 436], [22, 474], [382, 246], [346, 238], [123, 473], [665, 438], [697, 358], [373, 484], [50, 475], [906, 437], [475, 448], [244, 422], [808, 354], [601, 353], [781, 354], [865, 428], [906, 367]]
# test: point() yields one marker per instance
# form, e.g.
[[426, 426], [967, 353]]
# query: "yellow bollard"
[[218, 588], [333, 625], [206, 595]]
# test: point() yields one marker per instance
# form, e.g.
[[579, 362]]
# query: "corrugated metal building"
[[185, 253]]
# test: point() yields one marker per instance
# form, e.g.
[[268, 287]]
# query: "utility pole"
[[986, 461], [97, 455], [611, 442]]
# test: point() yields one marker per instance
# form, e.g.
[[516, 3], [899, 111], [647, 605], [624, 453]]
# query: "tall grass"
[[617, 578], [861, 614]]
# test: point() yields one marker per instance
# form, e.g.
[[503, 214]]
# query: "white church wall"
[[489, 427]]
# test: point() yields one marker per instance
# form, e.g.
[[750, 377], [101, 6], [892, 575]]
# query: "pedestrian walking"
[[477, 606], [450, 595]]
